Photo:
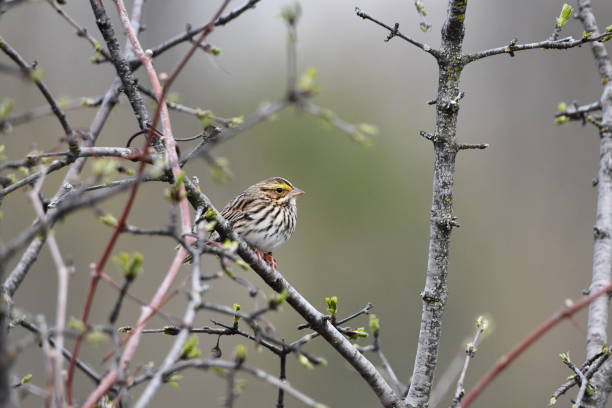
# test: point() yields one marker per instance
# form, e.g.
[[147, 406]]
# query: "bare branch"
[[394, 32], [550, 44]]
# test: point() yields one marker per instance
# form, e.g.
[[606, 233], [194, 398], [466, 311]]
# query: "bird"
[[264, 215]]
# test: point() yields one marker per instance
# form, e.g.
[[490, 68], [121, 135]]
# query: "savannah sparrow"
[[264, 215]]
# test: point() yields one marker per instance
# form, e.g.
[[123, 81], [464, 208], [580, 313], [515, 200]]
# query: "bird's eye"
[[279, 190]]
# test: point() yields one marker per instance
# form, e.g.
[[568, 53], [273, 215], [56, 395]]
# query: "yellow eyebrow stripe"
[[283, 186]]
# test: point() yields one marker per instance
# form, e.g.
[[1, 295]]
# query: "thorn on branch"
[[393, 32], [510, 47], [599, 233], [429, 136], [480, 146]]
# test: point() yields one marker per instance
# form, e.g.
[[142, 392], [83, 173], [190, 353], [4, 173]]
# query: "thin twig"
[[394, 32]]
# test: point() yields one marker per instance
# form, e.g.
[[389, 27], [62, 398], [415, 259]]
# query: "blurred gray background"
[[526, 205]]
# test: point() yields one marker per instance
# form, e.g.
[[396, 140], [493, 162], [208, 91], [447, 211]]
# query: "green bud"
[[420, 6], [6, 107], [552, 401], [565, 357], [482, 323], [25, 379], [566, 13], [240, 354], [368, 129], [104, 167], [216, 51], [562, 107], [230, 245], [235, 121], [305, 361], [87, 102], [191, 349], [173, 97], [236, 309], [96, 338], [206, 117], [562, 120], [374, 324], [37, 74], [242, 264], [291, 13], [586, 35], [76, 325], [332, 305], [307, 81], [129, 265], [210, 214], [173, 379], [109, 220]]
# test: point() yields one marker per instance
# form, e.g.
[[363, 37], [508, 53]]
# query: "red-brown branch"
[[161, 112], [524, 344]]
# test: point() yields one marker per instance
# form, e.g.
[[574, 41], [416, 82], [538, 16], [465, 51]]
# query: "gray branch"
[[442, 220], [602, 247], [550, 44]]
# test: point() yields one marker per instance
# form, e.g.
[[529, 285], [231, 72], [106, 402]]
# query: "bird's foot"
[[266, 257], [270, 260]]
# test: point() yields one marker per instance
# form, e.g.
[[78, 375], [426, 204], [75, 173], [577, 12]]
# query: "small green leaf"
[[358, 333], [564, 16], [562, 120], [216, 51]]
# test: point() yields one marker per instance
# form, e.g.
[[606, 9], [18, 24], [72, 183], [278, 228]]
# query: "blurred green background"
[[525, 205]]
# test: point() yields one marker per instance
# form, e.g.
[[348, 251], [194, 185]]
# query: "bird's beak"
[[296, 192]]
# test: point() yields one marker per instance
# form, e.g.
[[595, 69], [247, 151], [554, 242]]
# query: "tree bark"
[[442, 220]]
